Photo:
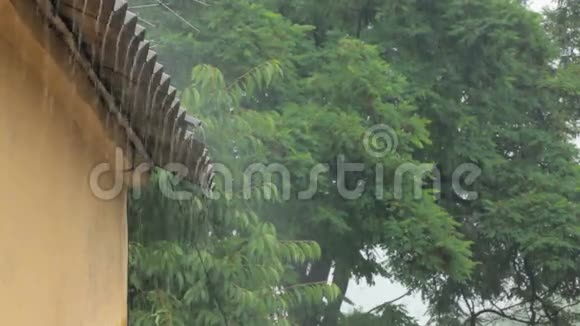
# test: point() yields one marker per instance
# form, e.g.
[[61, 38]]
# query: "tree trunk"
[[341, 279], [319, 272]]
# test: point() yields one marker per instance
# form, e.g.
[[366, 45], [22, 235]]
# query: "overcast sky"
[[367, 297], [538, 5]]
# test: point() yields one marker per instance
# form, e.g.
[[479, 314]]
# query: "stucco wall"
[[63, 252]]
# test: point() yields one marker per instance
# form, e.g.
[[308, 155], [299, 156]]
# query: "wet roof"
[[110, 44]]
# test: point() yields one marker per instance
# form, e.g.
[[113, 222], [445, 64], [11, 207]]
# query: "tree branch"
[[388, 303], [497, 313]]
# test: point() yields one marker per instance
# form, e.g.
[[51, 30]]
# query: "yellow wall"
[[63, 252]]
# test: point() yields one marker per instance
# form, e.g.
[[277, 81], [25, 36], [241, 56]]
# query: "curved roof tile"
[[109, 38]]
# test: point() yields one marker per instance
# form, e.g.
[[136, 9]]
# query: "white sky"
[[367, 297], [538, 5]]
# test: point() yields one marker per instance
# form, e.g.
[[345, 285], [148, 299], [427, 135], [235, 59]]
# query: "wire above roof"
[[111, 45]]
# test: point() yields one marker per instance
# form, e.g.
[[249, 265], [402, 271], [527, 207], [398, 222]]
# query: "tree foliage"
[[300, 84], [196, 262]]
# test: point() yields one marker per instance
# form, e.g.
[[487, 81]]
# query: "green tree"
[[485, 79], [389, 315], [456, 82], [563, 24], [341, 104], [482, 73], [200, 262]]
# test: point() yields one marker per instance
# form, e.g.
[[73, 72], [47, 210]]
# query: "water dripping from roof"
[[124, 83], [128, 17], [75, 24], [165, 118], [104, 42], [127, 74], [85, 4], [142, 47], [149, 100], [152, 102], [98, 18]]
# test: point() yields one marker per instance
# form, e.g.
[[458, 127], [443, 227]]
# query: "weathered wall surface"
[[63, 252]]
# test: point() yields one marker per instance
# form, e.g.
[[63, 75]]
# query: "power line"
[[145, 6], [178, 15], [175, 13]]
